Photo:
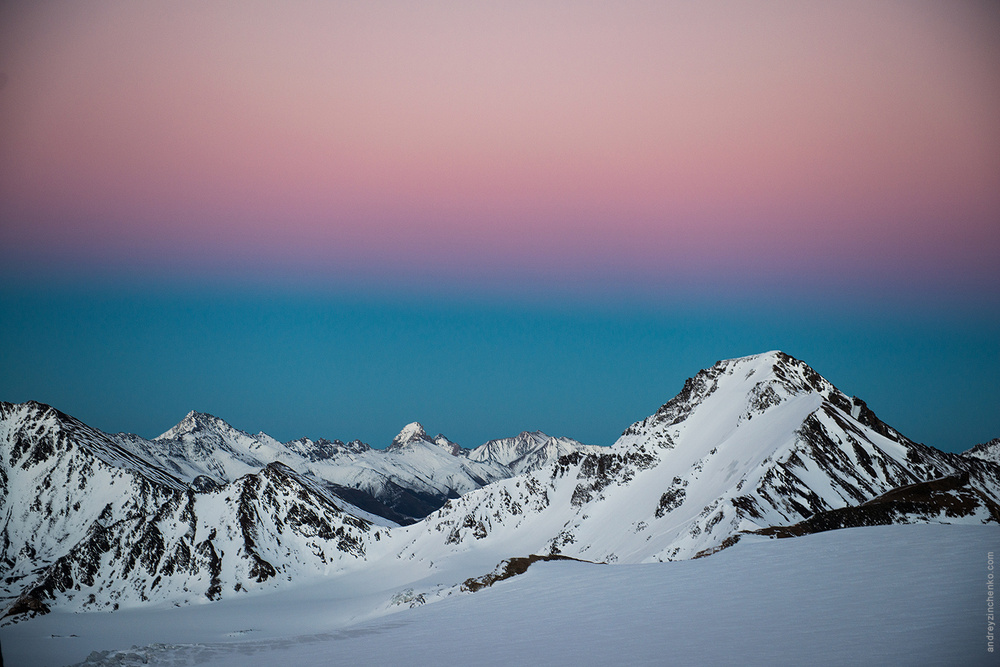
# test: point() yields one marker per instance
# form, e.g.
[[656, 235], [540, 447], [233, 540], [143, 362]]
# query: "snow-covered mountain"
[[408, 480], [411, 478], [760, 445], [415, 472], [94, 527], [204, 510], [987, 451], [748, 444], [529, 451], [61, 478]]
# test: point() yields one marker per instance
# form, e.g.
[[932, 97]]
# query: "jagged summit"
[[451, 447], [757, 382], [528, 450], [415, 434], [194, 422], [987, 451], [411, 433], [323, 449]]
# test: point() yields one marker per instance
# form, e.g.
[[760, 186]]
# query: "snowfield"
[[888, 595]]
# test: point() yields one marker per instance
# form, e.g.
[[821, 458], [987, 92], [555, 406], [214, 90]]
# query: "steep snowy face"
[[58, 479], [261, 531], [749, 443], [528, 451]]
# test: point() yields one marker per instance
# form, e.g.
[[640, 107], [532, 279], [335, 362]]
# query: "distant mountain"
[[756, 446], [987, 451], [410, 479], [529, 451], [203, 510]]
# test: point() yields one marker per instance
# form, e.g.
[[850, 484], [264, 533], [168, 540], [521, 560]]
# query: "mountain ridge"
[[748, 445], [415, 475]]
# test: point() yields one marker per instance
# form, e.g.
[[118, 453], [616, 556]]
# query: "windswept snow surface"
[[891, 595]]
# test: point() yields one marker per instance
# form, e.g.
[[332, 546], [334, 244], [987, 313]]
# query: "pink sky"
[[642, 134]]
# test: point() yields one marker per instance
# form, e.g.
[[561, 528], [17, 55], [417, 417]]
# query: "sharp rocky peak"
[[987, 451], [765, 380], [774, 367], [444, 443], [195, 422], [412, 433]]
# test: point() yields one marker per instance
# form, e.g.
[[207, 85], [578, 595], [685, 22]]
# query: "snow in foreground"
[[912, 595]]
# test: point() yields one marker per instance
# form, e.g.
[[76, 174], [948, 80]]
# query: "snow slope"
[[894, 595]]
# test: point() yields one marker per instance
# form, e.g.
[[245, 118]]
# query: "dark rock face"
[[949, 497], [511, 568], [598, 471], [205, 484], [696, 389], [673, 498]]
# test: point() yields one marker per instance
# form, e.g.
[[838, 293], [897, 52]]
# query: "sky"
[[331, 219]]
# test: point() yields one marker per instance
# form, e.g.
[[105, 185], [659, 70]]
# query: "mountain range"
[[755, 448]]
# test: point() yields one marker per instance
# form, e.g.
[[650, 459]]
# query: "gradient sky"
[[332, 218]]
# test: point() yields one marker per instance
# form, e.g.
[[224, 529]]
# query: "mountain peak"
[[414, 433], [987, 451], [193, 422], [751, 385], [411, 433], [444, 443], [774, 367]]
